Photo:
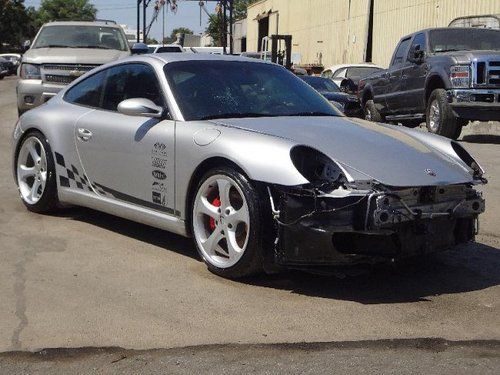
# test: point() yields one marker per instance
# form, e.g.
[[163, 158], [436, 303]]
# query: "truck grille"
[[64, 73], [487, 73]]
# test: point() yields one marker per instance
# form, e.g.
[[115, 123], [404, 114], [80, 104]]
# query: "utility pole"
[[138, 20], [144, 6]]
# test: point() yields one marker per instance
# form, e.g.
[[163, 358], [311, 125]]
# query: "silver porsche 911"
[[247, 159]]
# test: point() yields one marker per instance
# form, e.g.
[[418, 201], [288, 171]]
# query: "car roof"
[[445, 28], [169, 57], [82, 23], [360, 65]]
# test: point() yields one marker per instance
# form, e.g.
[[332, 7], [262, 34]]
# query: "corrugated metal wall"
[[335, 31], [325, 31]]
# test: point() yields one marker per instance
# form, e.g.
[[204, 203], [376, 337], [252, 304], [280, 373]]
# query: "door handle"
[[84, 134]]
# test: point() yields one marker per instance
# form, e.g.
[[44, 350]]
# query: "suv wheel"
[[439, 116]]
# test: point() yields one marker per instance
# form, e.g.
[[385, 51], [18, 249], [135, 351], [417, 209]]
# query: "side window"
[[327, 74], [401, 52], [89, 91], [340, 72], [131, 81], [418, 40]]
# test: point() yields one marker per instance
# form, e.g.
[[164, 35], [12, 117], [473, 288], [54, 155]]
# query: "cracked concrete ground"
[[85, 279]]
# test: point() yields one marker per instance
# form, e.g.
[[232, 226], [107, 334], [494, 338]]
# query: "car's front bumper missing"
[[324, 229]]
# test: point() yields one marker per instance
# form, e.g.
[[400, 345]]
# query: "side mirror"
[[26, 45], [139, 48], [140, 107]]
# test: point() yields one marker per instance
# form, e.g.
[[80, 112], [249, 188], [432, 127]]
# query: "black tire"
[[1, 77], [252, 259], [448, 125], [48, 200], [20, 112], [371, 112]]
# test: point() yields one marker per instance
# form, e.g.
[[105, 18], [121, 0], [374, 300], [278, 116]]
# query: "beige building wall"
[[324, 31], [335, 31]]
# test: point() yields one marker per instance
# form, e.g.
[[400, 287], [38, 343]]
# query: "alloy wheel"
[[31, 170], [434, 116], [221, 221]]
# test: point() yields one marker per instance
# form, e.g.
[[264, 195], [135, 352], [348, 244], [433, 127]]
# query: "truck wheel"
[[371, 112], [439, 116]]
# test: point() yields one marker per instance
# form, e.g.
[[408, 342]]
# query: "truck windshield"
[[445, 40], [65, 36], [212, 89]]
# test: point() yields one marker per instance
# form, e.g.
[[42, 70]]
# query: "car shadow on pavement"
[[468, 268], [140, 232], [482, 138]]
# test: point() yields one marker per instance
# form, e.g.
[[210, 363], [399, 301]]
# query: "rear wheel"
[[35, 173], [226, 223], [371, 112], [439, 116]]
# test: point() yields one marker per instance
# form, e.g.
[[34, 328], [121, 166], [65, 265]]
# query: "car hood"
[[92, 56], [388, 154], [466, 57]]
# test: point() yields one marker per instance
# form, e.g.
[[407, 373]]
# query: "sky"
[[125, 12]]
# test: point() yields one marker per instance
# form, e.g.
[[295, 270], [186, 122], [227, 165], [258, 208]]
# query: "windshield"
[[231, 89], [321, 84], [65, 36], [464, 39], [358, 72]]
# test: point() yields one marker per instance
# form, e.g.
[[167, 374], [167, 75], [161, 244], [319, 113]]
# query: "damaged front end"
[[334, 221]]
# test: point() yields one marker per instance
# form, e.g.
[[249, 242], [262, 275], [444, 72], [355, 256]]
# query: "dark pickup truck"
[[443, 76]]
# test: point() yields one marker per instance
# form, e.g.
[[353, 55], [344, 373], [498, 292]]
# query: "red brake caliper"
[[211, 223]]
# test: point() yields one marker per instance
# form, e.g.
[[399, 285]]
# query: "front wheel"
[[35, 173], [226, 223], [439, 116]]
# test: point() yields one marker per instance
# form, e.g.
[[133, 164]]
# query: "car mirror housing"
[[139, 48], [140, 107], [26, 45]]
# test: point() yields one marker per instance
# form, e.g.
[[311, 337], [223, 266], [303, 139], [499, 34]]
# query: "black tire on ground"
[[20, 112], [251, 262], [1, 77], [49, 200], [371, 112], [447, 124]]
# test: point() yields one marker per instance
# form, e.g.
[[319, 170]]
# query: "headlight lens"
[[30, 71], [460, 76]]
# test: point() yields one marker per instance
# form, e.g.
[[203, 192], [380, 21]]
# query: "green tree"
[[215, 28], [65, 10], [14, 22], [173, 35]]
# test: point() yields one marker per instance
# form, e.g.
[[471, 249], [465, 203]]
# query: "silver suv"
[[62, 52]]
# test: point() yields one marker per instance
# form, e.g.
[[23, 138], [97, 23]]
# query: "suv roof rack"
[[106, 21]]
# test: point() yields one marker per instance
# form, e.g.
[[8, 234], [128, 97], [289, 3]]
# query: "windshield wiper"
[[312, 113], [89, 46], [235, 115], [452, 50], [53, 46]]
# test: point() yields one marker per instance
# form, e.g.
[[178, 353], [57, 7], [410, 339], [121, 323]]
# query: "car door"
[[414, 74], [396, 84], [129, 158]]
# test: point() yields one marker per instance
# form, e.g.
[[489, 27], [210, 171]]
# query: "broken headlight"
[[468, 160], [315, 166]]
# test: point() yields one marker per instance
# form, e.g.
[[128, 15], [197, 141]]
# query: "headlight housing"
[[316, 167], [30, 71], [460, 76]]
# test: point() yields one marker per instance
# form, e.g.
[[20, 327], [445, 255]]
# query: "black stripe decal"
[[137, 201]]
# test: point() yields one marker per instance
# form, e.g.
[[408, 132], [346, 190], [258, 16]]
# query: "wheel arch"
[[434, 82]]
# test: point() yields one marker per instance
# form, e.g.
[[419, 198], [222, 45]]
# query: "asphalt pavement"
[[109, 288]]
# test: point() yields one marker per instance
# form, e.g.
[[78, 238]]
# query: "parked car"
[[4, 67], [347, 104], [219, 147], [444, 76], [160, 48], [63, 51], [14, 60], [355, 72]]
